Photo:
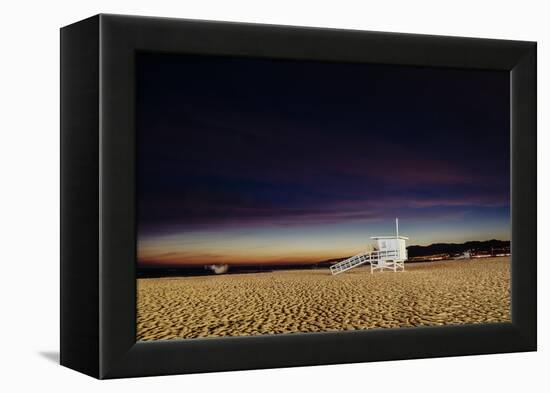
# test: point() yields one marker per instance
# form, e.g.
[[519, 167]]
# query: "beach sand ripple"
[[427, 294]]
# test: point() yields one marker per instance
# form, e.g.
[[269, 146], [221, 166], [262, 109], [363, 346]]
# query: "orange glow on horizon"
[[197, 259]]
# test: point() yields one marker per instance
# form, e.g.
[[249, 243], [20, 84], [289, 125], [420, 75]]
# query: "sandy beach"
[[435, 293]]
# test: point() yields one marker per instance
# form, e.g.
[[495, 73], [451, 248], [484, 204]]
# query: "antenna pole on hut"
[[396, 227]]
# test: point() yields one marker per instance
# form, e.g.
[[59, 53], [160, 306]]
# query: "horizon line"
[[152, 263]]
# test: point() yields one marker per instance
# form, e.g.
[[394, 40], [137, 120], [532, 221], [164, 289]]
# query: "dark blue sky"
[[256, 160]]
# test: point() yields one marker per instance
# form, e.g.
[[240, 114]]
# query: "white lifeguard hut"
[[390, 254]]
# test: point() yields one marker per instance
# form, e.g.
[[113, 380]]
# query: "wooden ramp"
[[378, 260]]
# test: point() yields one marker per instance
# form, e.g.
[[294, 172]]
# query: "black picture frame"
[[98, 228]]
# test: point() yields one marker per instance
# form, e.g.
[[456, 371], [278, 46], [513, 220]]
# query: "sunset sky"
[[251, 161]]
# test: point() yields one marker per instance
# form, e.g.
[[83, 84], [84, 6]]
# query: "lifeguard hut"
[[390, 254]]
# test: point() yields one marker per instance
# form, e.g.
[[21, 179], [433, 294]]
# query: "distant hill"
[[454, 248]]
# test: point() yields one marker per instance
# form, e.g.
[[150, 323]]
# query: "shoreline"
[[245, 270]]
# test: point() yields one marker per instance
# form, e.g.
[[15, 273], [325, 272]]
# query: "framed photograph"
[[240, 196]]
